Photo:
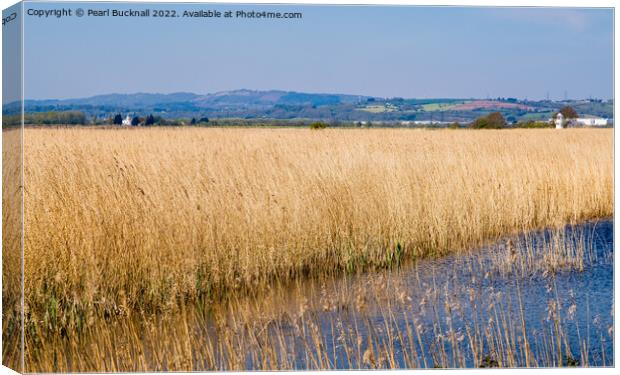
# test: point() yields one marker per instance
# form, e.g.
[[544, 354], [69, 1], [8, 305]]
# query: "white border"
[[485, 3]]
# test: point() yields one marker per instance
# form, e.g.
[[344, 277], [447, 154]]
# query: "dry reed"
[[146, 219], [376, 320], [124, 223], [11, 249]]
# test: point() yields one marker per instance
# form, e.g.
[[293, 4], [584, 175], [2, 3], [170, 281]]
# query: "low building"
[[591, 121], [579, 121]]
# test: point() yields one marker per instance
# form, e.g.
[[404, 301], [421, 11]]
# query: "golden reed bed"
[[144, 219]]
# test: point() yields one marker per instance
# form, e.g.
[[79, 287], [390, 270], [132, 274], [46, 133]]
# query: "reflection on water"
[[541, 299]]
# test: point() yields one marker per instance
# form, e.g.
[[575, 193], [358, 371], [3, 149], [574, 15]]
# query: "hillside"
[[288, 105]]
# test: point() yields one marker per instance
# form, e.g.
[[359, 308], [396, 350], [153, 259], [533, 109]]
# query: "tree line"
[[496, 120], [151, 120], [493, 120], [47, 118]]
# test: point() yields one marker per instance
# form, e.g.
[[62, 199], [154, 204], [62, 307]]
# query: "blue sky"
[[381, 51]]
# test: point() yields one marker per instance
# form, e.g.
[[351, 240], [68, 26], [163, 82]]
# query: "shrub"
[[493, 120], [318, 125], [534, 124]]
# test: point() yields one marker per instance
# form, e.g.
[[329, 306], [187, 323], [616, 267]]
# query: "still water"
[[541, 299]]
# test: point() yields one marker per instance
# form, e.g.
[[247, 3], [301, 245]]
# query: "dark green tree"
[[135, 121], [118, 119], [150, 120]]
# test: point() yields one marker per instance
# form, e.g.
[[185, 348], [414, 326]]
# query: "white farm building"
[[560, 122], [591, 121]]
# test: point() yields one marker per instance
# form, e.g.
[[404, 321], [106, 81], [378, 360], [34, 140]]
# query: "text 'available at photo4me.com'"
[[168, 13]]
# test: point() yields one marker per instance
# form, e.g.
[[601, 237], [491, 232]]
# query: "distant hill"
[[287, 105], [251, 98], [225, 99], [120, 100]]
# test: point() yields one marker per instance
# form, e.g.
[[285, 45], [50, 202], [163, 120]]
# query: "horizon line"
[[488, 97]]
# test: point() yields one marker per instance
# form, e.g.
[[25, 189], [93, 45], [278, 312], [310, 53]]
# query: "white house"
[[127, 121], [592, 121], [560, 122]]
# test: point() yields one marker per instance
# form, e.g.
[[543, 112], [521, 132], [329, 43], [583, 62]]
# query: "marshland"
[[196, 249]]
